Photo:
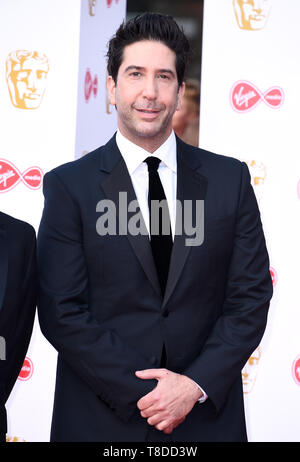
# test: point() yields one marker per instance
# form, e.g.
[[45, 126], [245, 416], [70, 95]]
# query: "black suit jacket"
[[101, 307], [17, 301]]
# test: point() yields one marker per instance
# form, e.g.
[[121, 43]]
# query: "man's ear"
[[111, 89], [181, 91]]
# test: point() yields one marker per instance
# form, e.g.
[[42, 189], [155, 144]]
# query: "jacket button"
[[166, 313], [153, 360]]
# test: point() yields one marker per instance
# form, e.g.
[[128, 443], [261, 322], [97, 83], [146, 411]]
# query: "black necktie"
[[160, 231]]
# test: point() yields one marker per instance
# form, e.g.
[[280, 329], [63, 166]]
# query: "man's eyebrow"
[[141, 68], [167, 71], [132, 66]]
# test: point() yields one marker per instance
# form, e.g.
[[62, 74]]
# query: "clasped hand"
[[168, 404]]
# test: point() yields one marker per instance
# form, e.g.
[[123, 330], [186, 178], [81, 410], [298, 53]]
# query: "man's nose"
[[150, 88]]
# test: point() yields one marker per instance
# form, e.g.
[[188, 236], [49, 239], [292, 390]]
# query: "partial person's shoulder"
[[16, 227]]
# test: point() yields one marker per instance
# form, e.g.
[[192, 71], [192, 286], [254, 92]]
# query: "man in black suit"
[[152, 328], [17, 302]]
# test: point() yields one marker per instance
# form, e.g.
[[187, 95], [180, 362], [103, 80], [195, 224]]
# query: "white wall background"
[[269, 139]]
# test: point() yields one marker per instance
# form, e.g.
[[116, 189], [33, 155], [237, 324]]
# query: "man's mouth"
[[148, 113], [148, 110]]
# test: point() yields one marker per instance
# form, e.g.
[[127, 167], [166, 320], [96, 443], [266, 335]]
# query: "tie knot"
[[153, 163]]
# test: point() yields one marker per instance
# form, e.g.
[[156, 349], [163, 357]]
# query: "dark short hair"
[[149, 26]]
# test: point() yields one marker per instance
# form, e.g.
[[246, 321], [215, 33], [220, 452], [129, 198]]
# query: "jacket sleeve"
[[239, 329], [25, 313], [98, 355], [18, 312]]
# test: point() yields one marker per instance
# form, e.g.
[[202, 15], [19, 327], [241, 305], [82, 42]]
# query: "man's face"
[[252, 14], [28, 83], [146, 92]]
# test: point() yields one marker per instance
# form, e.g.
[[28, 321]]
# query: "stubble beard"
[[147, 130]]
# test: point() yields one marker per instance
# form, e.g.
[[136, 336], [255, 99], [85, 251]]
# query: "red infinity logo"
[[109, 2], [10, 176], [90, 85], [296, 370], [26, 370], [274, 276], [244, 96]]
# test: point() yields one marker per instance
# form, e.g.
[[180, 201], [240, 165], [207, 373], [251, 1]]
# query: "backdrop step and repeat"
[[250, 98], [54, 108]]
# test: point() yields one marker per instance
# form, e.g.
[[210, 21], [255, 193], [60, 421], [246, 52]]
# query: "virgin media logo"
[[244, 96], [274, 276], [296, 370], [26, 370], [90, 85], [10, 176], [109, 2]]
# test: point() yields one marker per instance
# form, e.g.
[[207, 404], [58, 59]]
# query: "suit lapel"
[[3, 265], [191, 185], [118, 180]]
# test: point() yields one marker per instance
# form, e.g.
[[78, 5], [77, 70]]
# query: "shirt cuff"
[[204, 397]]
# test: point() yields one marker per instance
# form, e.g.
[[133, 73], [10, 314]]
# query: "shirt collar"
[[134, 155]]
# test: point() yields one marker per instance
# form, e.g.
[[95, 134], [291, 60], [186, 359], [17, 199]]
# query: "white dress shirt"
[[134, 157]]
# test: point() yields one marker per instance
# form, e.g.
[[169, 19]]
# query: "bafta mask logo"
[[14, 439], [252, 14], [258, 173], [26, 75], [92, 7], [249, 372]]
